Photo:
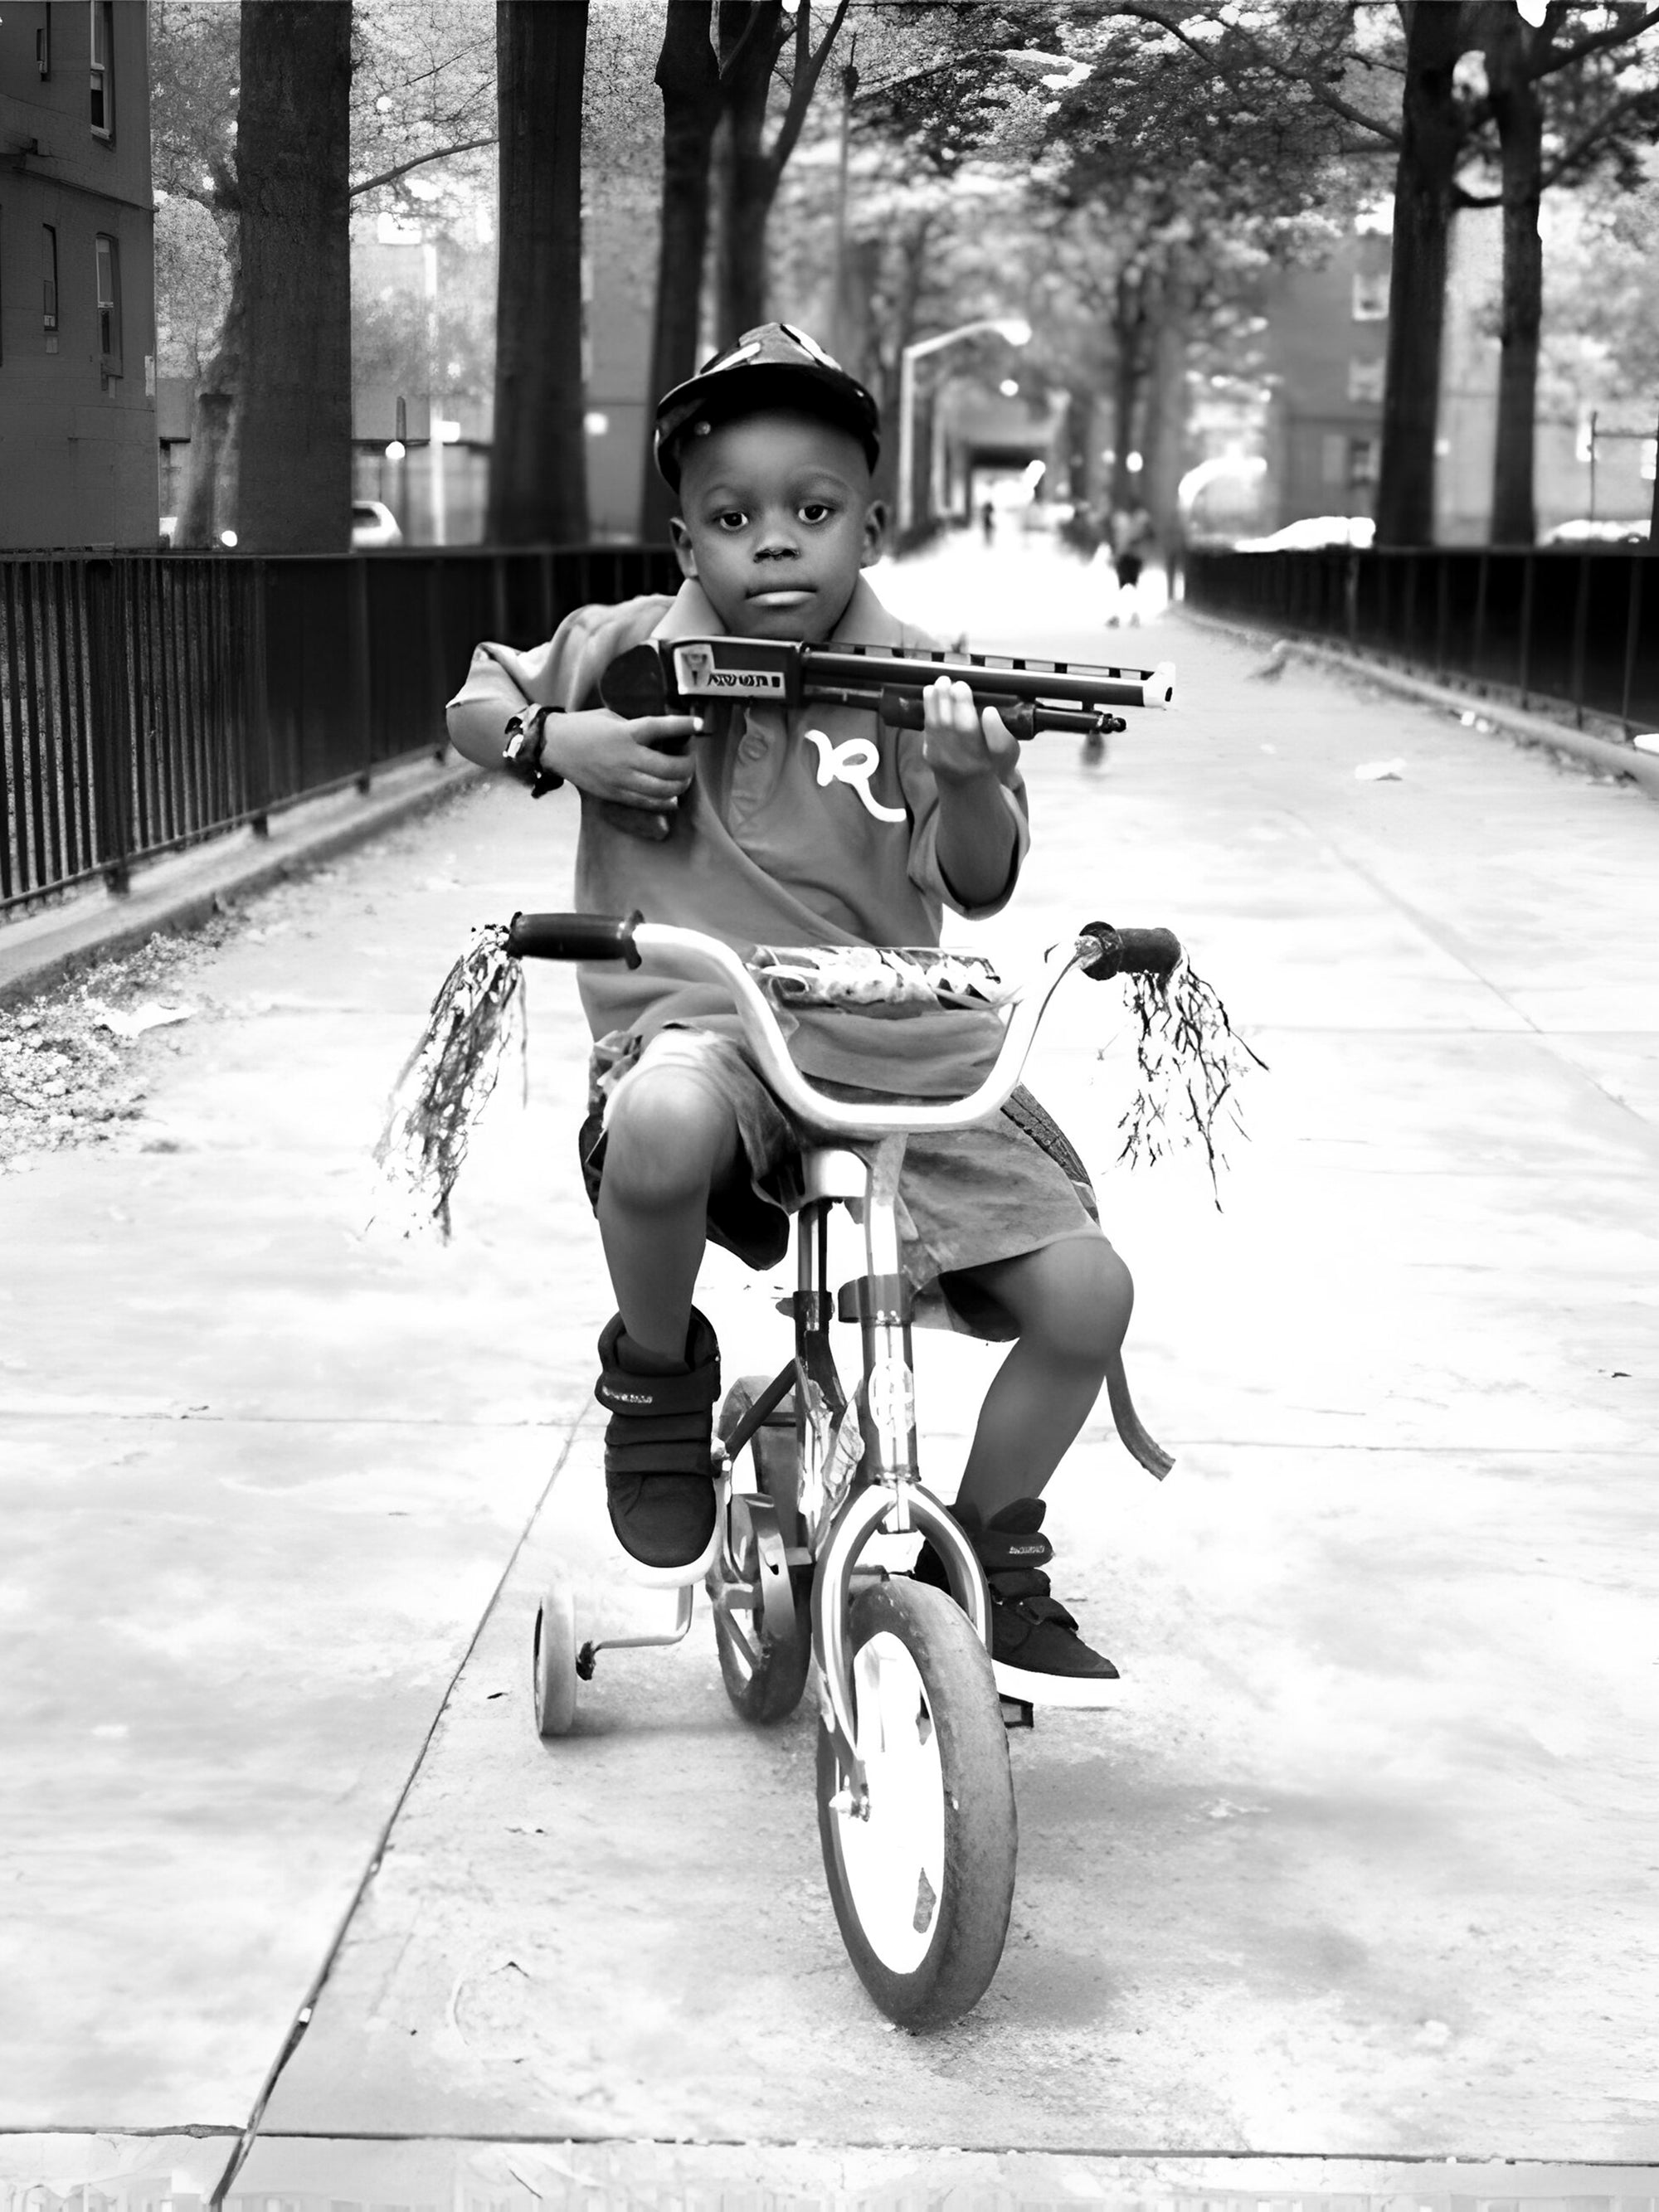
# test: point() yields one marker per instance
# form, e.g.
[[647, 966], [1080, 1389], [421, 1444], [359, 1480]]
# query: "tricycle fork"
[[890, 1496]]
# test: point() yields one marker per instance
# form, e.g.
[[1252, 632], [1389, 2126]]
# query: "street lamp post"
[[1013, 328]]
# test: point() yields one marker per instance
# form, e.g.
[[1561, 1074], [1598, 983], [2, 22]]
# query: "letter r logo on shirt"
[[853, 763]]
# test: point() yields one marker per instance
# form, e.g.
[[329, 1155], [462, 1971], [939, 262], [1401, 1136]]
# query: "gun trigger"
[[635, 684]]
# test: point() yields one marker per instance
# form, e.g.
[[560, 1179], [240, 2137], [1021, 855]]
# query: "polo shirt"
[[816, 826]]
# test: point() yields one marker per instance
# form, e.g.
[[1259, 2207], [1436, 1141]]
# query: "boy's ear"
[[685, 552], [875, 533]]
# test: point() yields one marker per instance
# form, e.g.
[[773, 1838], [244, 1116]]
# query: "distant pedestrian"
[[988, 522], [1134, 542]]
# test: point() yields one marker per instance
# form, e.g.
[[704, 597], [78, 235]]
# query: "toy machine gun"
[[676, 676]]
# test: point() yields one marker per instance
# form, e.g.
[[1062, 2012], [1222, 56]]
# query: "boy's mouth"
[[782, 596]]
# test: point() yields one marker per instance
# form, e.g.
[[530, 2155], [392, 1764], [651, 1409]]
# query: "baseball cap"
[[773, 366]]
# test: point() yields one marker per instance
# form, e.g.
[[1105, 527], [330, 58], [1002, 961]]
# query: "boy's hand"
[[957, 742], [644, 765]]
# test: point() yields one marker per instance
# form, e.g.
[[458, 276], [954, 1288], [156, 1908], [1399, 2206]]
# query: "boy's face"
[[778, 521]]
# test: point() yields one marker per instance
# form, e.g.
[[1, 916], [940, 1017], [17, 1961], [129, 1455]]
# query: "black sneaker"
[[1037, 1655], [658, 1458]]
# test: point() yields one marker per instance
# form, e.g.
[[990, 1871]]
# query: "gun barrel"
[[1057, 683]]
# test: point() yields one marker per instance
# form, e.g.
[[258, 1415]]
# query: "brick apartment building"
[[77, 285]]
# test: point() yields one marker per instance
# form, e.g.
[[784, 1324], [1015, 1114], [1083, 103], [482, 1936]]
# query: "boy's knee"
[[1087, 1296], [667, 1137]]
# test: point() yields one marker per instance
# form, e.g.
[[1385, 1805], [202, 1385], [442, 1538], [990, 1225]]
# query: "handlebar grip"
[[573, 937], [1131, 951]]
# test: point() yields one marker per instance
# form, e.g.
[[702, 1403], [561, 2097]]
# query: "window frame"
[[50, 309], [107, 253], [101, 67]]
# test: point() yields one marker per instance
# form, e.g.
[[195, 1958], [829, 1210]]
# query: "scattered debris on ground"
[[75, 1061]]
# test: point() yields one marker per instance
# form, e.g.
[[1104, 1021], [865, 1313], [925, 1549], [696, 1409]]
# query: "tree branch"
[[1332, 102], [1587, 142], [809, 68], [1554, 59], [439, 153]]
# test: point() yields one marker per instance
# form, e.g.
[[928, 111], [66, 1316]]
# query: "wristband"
[[526, 740]]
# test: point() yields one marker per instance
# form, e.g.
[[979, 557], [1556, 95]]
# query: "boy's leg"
[[670, 1139], [1070, 1302]]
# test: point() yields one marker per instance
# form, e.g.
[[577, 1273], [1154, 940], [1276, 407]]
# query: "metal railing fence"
[[148, 701], [1573, 629]]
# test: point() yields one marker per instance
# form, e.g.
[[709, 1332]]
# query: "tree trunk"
[[1519, 114], [1165, 433], [1128, 375], [1436, 36], [746, 178], [293, 158], [538, 465], [688, 75], [209, 506]]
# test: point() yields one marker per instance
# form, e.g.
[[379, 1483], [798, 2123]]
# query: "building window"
[[43, 46], [1365, 455], [1370, 295], [48, 277], [103, 71], [109, 305], [1365, 381]]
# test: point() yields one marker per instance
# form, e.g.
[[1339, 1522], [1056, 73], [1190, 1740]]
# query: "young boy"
[[821, 826]]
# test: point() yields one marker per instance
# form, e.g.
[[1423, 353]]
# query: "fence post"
[[1442, 611], [256, 695], [1523, 654], [1580, 624], [112, 743], [437, 639], [1633, 626], [361, 681], [1478, 647]]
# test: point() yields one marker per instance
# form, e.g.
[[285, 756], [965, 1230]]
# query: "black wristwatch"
[[526, 740]]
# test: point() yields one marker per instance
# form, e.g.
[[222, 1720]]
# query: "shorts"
[[1008, 1185], [1129, 566]]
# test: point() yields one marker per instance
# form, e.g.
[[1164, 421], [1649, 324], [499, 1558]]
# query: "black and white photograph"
[[828, 1105]]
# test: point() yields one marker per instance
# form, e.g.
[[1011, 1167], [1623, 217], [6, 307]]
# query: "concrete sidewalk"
[[1366, 1871]]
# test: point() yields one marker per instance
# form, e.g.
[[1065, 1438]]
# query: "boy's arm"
[[977, 842], [600, 753]]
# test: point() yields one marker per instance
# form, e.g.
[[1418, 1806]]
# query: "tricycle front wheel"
[[922, 1878]]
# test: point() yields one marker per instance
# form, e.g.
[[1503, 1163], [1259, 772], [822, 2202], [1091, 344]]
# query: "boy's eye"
[[814, 510], [733, 518]]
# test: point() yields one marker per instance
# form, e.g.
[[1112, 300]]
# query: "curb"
[[183, 891], [1517, 722]]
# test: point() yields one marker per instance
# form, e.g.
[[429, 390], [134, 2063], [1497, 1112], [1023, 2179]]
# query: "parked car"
[[1585, 532], [1314, 530], [371, 524]]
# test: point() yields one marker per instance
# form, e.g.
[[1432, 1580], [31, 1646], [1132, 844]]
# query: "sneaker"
[[1038, 1653], [657, 1465]]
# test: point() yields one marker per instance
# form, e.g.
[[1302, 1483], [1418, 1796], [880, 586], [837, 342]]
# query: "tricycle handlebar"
[[1100, 949]]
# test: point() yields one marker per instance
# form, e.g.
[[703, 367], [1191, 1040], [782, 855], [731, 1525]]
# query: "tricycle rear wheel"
[[764, 1674]]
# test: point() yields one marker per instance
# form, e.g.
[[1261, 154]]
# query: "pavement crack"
[[304, 2016]]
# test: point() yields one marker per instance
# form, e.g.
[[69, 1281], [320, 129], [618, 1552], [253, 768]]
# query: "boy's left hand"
[[957, 743]]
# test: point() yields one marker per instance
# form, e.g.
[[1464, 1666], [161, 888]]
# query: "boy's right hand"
[[641, 767]]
